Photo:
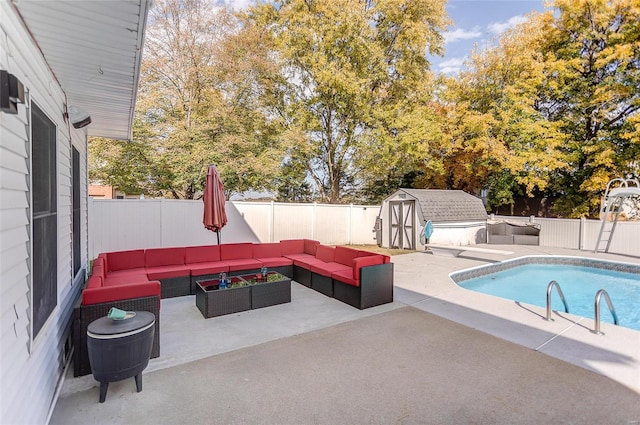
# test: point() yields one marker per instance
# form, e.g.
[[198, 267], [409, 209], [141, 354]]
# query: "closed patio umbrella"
[[215, 216]]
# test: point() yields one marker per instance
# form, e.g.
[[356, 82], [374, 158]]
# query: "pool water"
[[528, 284]]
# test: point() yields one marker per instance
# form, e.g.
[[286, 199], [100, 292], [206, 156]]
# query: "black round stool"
[[120, 349]]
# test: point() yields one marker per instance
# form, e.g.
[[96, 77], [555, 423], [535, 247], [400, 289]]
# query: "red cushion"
[[131, 274], [360, 262], [98, 270], [326, 269], [307, 262], [163, 257], [236, 251], [345, 255], [325, 253], [243, 264], [123, 260], [95, 282], [166, 272], [275, 261], [120, 292], [267, 250], [104, 260], [310, 246], [345, 276], [124, 279], [211, 267], [101, 261], [292, 246], [300, 257], [202, 254]]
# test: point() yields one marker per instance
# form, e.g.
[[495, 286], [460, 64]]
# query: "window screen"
[[44, 285]]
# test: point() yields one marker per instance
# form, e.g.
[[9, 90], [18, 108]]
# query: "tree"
[[499, 140], [592, 69], [357, 82], [204, 75]]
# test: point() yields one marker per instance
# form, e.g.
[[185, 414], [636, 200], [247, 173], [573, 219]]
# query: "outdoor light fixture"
[[78, 117], [11, 93]]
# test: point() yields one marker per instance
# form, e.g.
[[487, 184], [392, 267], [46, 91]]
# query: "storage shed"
[[458, 218]]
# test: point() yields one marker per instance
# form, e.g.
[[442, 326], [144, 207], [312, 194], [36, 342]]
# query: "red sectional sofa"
[[138, 279]]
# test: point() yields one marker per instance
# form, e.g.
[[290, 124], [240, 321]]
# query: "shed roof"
[[448, 205]]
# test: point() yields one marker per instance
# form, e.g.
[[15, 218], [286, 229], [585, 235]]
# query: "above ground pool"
[[526, 279]]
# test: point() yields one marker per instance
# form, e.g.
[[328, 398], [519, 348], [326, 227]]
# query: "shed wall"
[[31, 369]]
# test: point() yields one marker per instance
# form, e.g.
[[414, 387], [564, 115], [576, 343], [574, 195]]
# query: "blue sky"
[[477, 22]]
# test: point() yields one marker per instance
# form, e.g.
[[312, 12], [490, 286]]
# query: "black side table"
[[120, 349]]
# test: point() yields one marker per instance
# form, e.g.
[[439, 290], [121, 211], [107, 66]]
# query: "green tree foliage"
[[204, 75], [357, 82], [551, 108], [592, 70], [498, 139]]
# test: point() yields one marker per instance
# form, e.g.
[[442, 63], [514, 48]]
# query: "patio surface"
[[317, 360]]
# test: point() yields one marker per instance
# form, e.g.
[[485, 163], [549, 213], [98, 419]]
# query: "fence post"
[[313, 221], [272, 221], [349, 224], [583, 223]]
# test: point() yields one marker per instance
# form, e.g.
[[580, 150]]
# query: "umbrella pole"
[[218, 234]]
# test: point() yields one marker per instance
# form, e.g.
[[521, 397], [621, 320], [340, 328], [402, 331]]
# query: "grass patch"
[[379, 250]]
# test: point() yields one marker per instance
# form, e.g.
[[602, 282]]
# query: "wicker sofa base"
[[302, 276], [322, 284], [83, 315], [175, 287], [376, 287]]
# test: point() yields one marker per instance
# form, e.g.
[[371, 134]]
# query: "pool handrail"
[[596, 306], [549, 288]]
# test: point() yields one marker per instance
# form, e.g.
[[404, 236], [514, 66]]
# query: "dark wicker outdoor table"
[[247, 292]]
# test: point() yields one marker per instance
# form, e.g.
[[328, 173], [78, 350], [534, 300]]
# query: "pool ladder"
[[596, 306], [549, 288]]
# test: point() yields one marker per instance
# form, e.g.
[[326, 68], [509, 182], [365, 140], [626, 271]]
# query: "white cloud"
[[461, 34], [500, 27], [451, 66]]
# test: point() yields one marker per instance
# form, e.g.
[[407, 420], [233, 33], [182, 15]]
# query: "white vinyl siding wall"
[[30, 370]]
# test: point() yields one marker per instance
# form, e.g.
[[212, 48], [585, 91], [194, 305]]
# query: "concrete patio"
[[438, 354]]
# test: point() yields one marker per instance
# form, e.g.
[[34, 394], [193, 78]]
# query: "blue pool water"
[[528, 283]]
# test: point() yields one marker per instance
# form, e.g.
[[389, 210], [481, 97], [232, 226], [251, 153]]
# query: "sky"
[[477, 22]]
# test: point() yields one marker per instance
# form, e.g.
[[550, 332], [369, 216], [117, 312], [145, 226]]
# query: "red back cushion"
[[163, 257], [345, 255], [292, 246], [98, 270], [123, 260], [95, 282], [310, 246], [236, 251], [266, 250], [202, 254], [325, 253], [360, 262]]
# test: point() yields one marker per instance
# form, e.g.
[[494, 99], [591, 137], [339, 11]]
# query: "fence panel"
[[120, 224]]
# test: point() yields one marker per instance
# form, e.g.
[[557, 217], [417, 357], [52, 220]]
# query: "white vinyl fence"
[[121, 224], [582, 234]]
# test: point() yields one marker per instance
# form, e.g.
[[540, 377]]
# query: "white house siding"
[[30, 370]]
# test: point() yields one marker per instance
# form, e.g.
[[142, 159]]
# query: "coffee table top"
[[241, 281]]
